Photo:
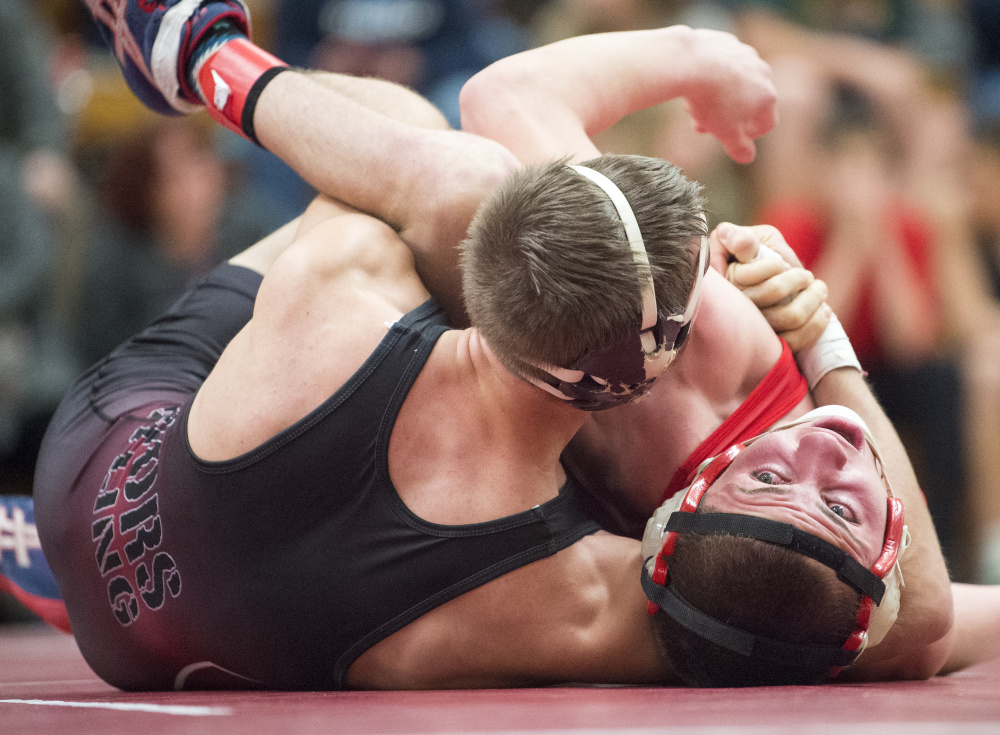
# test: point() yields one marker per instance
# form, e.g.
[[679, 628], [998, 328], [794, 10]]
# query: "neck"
[[537, 418]]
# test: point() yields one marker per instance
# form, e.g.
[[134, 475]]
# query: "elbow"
[[473, 182], [471, 168], [924, 662], [932, 640], [490, 96]]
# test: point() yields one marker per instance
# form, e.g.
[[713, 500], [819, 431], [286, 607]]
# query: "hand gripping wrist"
[[231, 81], [831, 351]]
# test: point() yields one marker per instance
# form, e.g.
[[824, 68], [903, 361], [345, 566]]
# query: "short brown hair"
[[547, 270], [758, 587]]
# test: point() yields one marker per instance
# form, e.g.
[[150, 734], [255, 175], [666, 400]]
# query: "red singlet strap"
[[778, 393]]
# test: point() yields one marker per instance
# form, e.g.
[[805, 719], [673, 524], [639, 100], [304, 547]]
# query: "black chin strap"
[[848, 569]]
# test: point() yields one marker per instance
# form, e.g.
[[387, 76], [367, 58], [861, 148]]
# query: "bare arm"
[[925, 614], [976, 634], [548, 101], [383, 150]]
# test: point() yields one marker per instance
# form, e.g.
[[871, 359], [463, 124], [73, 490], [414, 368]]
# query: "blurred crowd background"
[[884, 175]]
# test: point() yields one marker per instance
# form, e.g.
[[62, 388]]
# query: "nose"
[[822, 451]]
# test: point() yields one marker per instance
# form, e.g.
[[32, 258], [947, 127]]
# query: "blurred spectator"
[[979, 283], [936, 30], [36, 181], [666, 130], [173, 208], [984, 87], [432, 46]]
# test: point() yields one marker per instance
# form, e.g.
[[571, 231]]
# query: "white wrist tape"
[[831, 351]]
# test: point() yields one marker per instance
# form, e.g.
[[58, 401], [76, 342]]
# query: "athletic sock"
[[221, 33]]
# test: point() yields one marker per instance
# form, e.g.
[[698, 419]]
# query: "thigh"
[[164, 365]]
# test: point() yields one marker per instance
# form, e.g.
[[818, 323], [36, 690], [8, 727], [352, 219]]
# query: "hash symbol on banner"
[[17, 535]]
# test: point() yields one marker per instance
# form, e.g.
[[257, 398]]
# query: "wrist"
[[683, 60], [830, 352]]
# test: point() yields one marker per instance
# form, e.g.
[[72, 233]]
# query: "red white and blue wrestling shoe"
[[154, 40], [24, 573]]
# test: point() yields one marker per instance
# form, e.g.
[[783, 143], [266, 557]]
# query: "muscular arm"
[[975, 637], [547, 102], [925, 614], [383, 150]]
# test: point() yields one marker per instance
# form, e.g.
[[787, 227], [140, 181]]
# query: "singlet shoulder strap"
[[777, 394]]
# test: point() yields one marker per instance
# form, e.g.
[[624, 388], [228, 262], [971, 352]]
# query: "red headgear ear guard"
[[680, 515]]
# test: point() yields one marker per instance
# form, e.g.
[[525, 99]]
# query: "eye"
[[843, 511], [767, 477]]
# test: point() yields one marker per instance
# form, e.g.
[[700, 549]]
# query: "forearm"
[[388, 98], [424, 182], [926, 608], [338, 137], [548, 101]]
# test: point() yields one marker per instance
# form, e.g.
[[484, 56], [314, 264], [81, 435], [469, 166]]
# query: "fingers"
[[782, 288], [770, 236], [745, 275], [739, 242], [739, 143], [742, 243], [741, 149], [718, 256], [795, 313], [808, 333]]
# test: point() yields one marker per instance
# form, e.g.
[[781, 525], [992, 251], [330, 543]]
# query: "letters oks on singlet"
[[127, 528]]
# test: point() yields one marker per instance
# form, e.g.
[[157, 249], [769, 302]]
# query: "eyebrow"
[[778, 489]]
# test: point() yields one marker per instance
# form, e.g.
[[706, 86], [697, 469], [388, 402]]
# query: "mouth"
[[847, 430]]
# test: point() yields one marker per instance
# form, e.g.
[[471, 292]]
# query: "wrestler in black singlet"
[[276, 569]]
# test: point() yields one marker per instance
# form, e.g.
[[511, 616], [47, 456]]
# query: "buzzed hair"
[[761, 588], [547, 270]]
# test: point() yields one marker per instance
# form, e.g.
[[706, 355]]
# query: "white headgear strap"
[[635, 245]]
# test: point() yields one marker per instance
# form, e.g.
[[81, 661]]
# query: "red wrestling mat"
[[45, 687]]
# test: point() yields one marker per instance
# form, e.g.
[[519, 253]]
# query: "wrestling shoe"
[[154, 41], [24, 573]]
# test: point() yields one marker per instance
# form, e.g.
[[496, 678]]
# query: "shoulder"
[[576, 616], [323, 307], [733, 335]]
